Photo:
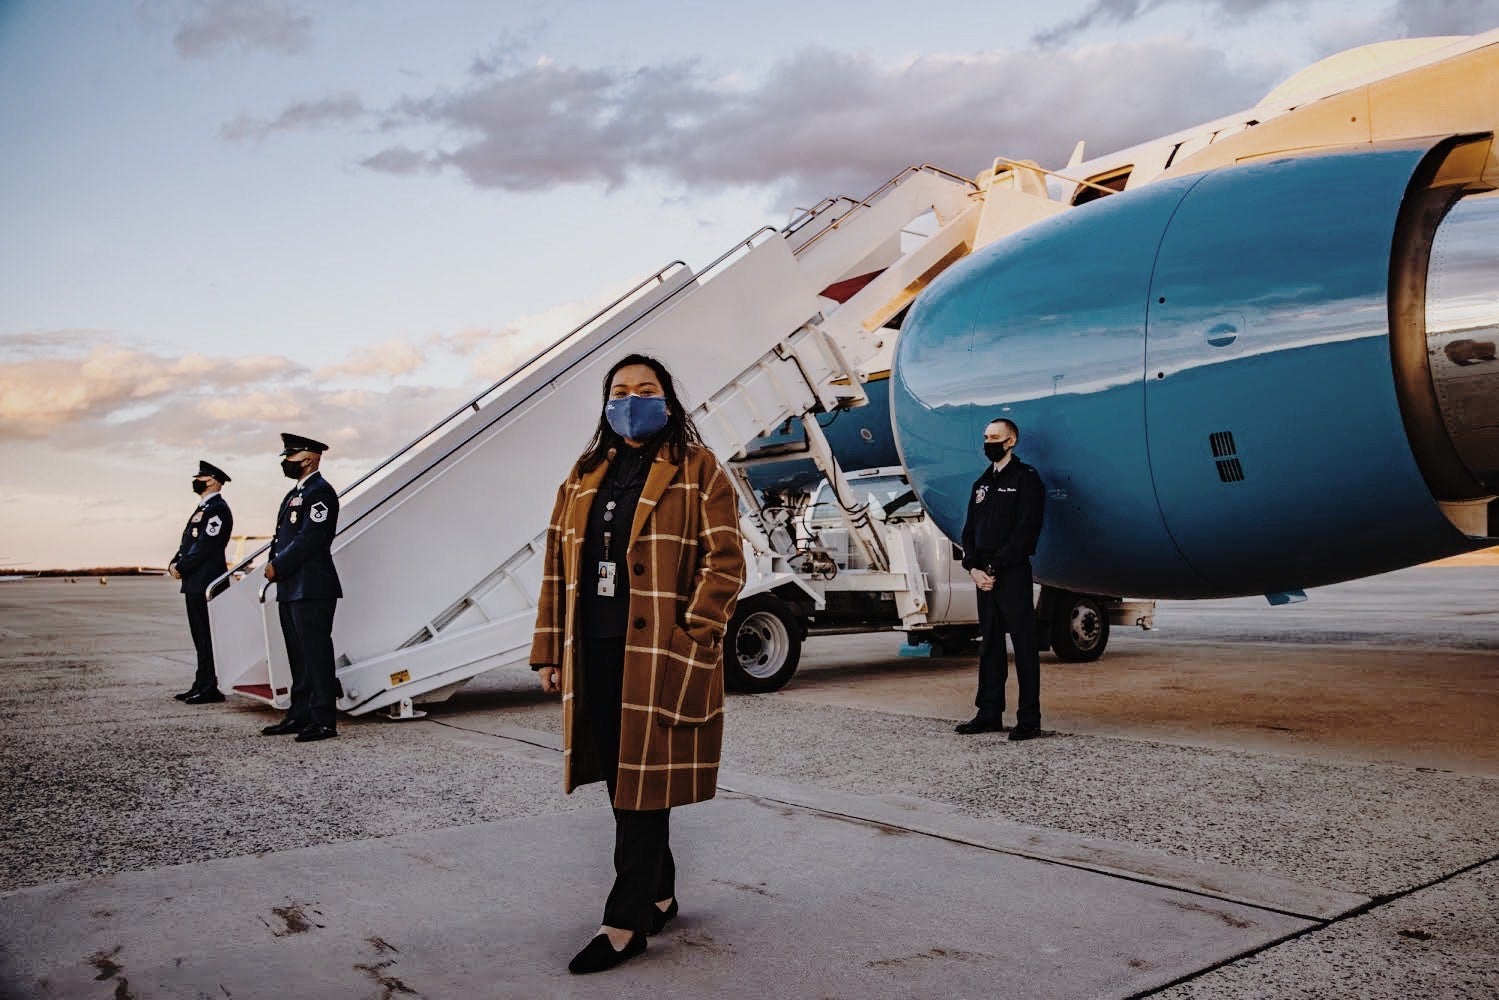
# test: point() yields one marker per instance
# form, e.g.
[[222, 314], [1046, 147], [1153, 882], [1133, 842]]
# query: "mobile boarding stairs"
[[440, 546]]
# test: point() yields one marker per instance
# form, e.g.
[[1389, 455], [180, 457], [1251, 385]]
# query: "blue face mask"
[[636, 417]]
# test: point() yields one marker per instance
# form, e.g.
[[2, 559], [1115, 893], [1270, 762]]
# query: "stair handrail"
[[880, 191], [473, 404], [660, 276]]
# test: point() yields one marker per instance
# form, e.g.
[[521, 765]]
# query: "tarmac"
[[1252, 834]]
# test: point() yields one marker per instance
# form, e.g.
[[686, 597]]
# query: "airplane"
[[1251, 357]]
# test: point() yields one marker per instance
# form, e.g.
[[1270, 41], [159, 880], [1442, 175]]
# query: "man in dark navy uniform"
[[307, 590], [999, 536], [198, 562]]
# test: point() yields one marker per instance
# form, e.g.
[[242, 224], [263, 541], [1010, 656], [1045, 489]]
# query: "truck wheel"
[[1079, 628], [762, 647]]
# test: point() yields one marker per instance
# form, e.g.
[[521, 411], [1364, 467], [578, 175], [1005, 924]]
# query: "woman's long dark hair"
[[678, 433]]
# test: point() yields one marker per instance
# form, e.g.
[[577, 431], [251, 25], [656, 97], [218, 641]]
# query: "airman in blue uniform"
[[199, 561], [307, 590]]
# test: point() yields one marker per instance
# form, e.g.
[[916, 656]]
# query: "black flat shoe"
[[599, 955], [207, 696], [1028, 733], [186, 694], [285, 727], [979, 724], [315, 732], [660, 918]]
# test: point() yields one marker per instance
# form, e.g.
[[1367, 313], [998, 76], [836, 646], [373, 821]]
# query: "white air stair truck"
[[814, 526], [440, 546]]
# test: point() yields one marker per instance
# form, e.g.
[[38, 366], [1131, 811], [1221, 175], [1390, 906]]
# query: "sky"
[[223, 219]]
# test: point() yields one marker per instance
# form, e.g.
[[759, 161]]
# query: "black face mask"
[[995, 451], [199, 486], [290, 469]]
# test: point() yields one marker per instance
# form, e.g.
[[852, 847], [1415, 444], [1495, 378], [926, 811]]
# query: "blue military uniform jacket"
[[302, 550], [200, 556]]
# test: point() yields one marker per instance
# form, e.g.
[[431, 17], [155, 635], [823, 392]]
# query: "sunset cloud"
[[820, 121], [246, 25]]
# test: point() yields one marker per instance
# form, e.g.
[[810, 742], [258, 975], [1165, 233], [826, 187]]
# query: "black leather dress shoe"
[[599, 954], [207, 696], [660, 918], [186, 694], [285, 727], [1028, 733], [979, 724], [316, 732]]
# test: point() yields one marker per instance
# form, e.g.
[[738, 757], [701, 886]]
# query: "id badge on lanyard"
[[607, 570]]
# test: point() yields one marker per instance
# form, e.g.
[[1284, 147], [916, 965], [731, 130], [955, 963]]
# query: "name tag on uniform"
[[606, 578]]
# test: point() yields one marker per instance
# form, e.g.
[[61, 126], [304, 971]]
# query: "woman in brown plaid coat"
[[643, 565]]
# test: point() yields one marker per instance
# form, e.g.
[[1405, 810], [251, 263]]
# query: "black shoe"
[[660, 918], [979, 724], [316, 732], [1024, 733], [186, 694], [207, 696], [599, 954], [285, 727]]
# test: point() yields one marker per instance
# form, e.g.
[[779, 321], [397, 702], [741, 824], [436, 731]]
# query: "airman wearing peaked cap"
[[199, 561], [307, 590]]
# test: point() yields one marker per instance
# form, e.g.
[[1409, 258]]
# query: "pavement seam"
[[1373, 904], [1121, 875]]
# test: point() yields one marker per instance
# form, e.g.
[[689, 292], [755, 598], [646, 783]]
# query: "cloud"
[[392, 358], [1402, 19], [303, 114], [74, 381], [1115, 12], [821, 122], [1424, 18], [243, 24], [85, 391]]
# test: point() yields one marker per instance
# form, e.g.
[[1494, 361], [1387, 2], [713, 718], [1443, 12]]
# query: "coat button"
[[639, 569], [640, 623]]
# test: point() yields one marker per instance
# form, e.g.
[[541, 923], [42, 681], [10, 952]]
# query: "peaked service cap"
[[209, 469], [294, 443]]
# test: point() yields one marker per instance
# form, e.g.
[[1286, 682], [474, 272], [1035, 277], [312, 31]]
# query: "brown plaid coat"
[[686, 565]]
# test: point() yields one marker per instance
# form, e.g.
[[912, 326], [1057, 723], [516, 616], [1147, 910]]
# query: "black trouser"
[[197, 624], [307, 627], [1009, 608], [644, 870]]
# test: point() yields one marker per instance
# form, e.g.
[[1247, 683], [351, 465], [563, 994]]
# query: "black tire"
[[762, 647], [1079, 628]]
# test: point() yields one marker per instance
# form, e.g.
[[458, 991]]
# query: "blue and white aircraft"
[[1249, 358]]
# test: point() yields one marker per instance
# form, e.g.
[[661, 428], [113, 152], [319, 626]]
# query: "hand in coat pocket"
[[689, 691]]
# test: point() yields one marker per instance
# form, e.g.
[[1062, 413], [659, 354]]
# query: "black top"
[[609, 617], [200, 557], [1004, 517], [302, 550]]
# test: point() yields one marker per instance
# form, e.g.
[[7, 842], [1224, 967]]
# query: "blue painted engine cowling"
[[1201, 370]]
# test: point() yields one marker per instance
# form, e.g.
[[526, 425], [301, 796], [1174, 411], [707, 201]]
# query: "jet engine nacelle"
[[1271, 376]]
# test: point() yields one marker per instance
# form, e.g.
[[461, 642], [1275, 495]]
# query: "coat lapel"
[[661, 474], [577, 522]]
